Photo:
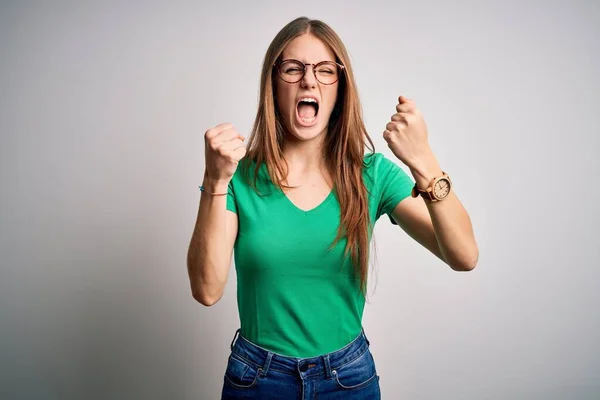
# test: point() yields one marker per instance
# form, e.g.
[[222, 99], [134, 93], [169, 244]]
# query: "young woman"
[[298, 205]]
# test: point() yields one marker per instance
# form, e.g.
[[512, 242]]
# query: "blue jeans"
[[257, 373]]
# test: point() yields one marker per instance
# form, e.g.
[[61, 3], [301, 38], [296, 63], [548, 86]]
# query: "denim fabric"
[[256, 373]]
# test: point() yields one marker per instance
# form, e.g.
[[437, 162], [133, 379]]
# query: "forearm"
[[451, 222], [454, 233], [208, 259]]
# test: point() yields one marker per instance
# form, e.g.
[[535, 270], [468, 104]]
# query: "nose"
[[309, 78]]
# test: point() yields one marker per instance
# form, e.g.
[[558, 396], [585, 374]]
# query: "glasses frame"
[[304, 65]]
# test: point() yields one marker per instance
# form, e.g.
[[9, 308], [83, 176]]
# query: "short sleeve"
[[394, 186], [231, 203]]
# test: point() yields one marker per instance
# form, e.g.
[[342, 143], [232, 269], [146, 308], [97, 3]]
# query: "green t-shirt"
[[294, 297]]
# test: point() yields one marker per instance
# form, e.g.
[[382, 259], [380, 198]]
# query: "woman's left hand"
[[406, 135]]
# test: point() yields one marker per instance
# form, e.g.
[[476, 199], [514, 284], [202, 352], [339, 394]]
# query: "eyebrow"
[[304, 61]]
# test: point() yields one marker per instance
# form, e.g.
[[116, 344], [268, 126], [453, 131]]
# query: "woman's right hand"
[[223, 149]]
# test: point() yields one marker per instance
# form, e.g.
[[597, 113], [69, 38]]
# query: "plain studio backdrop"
[[103, 108]]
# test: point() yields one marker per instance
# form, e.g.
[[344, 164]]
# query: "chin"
[[308, 131]]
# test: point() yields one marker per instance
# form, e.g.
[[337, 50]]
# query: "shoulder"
[[371, 162], [244, 171], [377, 166], [247, 178], [384, 174]]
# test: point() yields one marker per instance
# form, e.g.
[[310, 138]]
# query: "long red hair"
[[344, 144]]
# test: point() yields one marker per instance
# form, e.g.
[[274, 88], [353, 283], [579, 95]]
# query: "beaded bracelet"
[[202, 189]]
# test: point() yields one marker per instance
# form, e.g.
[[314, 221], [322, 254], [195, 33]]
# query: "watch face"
[[441, 188]]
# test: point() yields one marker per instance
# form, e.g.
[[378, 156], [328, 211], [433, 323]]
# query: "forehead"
[[308, 49]]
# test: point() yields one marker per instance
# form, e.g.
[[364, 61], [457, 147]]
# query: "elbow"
[[464, 267], [203, 293], [466, 263], [205, 300]]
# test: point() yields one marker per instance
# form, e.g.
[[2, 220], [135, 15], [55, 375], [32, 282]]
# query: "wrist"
[[425, 172], [215, 185]]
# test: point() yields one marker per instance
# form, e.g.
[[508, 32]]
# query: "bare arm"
[[444, 228], [211, 246], [216, 228]]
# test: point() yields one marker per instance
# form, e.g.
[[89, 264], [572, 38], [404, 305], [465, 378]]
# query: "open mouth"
[[307, 110]]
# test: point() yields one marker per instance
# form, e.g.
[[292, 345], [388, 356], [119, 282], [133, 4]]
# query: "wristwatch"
[[438, 189]]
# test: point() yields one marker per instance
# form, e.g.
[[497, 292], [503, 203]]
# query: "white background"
[[103, 108]]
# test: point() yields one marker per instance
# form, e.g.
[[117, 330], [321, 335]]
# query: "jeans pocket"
[[357, 373], [240, 373]]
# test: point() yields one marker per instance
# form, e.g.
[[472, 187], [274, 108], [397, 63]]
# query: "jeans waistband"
[[264, 359]]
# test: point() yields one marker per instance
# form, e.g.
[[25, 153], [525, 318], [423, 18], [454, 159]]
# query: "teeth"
[[308, 100]]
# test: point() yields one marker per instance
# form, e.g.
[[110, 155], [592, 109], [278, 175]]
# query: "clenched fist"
[[223, 148], [406, 133]]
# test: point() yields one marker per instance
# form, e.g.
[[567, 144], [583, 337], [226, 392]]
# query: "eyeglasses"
[[326, 72]]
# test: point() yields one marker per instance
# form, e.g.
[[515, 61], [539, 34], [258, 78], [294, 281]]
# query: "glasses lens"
[[327, 73], [291, 71]]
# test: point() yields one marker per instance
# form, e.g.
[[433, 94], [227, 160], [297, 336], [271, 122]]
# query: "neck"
[[304, 156], [305, 160]]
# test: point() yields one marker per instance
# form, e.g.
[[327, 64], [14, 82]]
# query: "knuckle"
[[214, 145], [222, 151]]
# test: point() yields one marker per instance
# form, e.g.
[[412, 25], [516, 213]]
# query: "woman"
[[300, 212]]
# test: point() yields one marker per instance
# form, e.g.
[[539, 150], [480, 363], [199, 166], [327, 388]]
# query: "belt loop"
[[267, 364], [234, 337], [327, 366], [365, 335]]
